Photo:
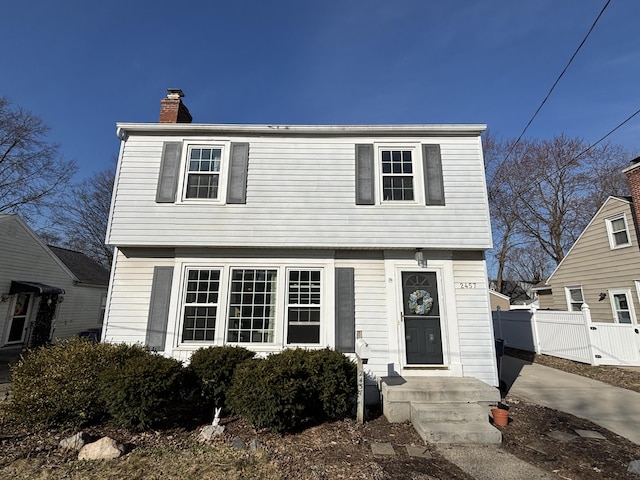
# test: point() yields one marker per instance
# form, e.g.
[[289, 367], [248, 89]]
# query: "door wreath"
[[420, 302]]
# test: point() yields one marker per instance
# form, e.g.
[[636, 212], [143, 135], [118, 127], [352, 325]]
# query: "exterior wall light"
[[419, 256]]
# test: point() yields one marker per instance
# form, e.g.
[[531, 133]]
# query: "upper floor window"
[[575, 299], [618, 231], [397, 175], [203, 172]]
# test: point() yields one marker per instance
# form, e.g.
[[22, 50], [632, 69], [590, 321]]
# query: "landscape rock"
[[104, 449], [75, 442], [634, 467], [254, 445], [210, 431], [238, 444]]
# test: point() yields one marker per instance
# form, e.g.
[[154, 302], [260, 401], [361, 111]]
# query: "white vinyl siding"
[[475, 327], [301, 193]]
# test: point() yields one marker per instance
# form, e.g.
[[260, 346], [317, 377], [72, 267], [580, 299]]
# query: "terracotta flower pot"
[[500, 417]]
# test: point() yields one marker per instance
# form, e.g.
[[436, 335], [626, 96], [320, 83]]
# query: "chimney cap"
[[635, 160], [174, 93]]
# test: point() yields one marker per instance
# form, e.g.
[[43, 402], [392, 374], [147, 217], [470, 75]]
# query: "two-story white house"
[[277, 236]]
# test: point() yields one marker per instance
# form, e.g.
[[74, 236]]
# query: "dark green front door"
[[423, 335]]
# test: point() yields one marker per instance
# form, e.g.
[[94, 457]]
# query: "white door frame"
[[11, 315], [443, 268]]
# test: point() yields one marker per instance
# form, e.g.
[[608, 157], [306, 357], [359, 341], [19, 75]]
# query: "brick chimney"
[[633, 177], [172, 110]]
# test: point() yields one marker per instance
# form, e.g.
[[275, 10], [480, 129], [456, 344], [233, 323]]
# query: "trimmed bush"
[[334, 381], [214, 368], [140, 393], [274, 392], [289, 388], [57, 385]]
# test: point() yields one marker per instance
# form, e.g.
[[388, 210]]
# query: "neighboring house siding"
[[596, 267], [301, 192], [477, 349], [24, 258], [80, 310]]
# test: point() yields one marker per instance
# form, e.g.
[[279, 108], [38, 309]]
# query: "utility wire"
[[558, 79], [610, 132]]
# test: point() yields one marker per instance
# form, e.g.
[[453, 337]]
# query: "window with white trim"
[[200, 309], [575, 298], [252, 306], [203, 172], [621, 306], [303, 306], [397, 174], [618, 231]]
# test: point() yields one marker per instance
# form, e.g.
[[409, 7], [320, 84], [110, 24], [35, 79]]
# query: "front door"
[[421, 315]]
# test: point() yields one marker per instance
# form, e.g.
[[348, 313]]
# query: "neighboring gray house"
[[45, 292], [277, 236]]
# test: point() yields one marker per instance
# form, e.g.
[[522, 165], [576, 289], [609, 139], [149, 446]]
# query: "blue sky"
[[82, 66]]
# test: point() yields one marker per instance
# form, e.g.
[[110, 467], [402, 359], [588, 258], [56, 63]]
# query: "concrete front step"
[[458, 432], [399, 392], [442, 409], [448, 412]]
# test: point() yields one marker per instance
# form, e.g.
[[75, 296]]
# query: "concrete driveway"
[[613, 408]]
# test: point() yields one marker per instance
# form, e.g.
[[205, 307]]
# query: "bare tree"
[[32, 172], [543, 196], [86, 214]]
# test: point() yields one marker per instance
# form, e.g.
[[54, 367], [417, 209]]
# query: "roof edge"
[[336, 130]]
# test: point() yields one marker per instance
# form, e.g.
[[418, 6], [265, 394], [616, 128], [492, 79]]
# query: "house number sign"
[[467, 285]]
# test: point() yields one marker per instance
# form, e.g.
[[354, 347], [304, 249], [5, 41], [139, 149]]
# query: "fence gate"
[[615, 343]]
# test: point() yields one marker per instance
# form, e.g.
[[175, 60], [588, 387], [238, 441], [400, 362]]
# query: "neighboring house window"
[[303, 306], [396, 167], [618, 231], [201, 305], [203, 172], [103, 308], [575, 299], [252, 304], [622, 306]]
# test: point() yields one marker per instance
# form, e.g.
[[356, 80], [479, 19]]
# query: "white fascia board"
[[301, 130]]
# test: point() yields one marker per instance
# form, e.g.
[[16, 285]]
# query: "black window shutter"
[[433, 182], [237, 188], [159, 308], [365, 175], [345, 311], [169, 171]]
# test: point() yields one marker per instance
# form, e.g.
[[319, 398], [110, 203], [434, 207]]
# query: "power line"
[[558, 79], [605, 136]]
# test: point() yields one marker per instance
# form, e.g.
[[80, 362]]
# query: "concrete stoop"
[[442, 409]]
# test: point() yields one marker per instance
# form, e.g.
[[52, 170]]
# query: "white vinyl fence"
[[570, 335]]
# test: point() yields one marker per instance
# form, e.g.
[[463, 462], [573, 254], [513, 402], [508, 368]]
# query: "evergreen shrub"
[[289, 388], [57, 385], [142, 392], [214, 368]]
